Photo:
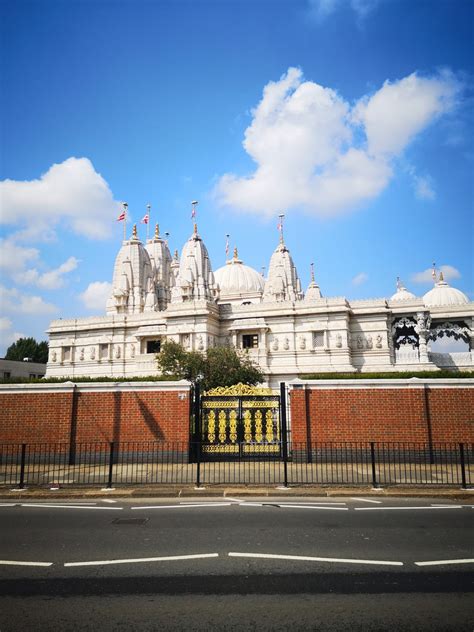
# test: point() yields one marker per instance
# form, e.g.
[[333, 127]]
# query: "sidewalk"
[[223, 491]]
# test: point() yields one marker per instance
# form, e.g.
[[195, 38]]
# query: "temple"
[[156, 297]]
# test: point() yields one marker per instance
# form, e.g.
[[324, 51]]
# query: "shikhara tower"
[[156, 297]]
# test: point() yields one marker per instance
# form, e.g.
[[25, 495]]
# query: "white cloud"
[[13, 301], [96, 294], [424, 188], [360, 278], [71, 192], [397, 112], [14, 257], [426, 276], [322, 9], [315, 152], [7, 334], [53, 279]]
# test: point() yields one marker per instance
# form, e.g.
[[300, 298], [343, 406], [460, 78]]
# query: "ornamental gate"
[[240, 422]]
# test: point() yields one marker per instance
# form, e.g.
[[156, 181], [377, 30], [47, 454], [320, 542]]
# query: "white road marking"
[[407, 508], [7, 504], [169, 558], [181, 506], [16, 563], [251, 505], [313, 507], [235, 500], [367, 500], [71, 506], [311, 504], [107, 500], [442, 562], [305, 558]]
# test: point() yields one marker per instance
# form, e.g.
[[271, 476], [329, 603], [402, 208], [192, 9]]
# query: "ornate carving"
[[338, 341], [132, 350], [200, 342], [81, 354], [117, 352], [378, 341], [302, 343], [360, 342], [54, 356], [92, 353], [211, 426], [286, 344], [258, 426], [247, 426], [239, 389], [275, 344], [222, 426], [369, 342], [458, 331], [269, 425], [233, 426]]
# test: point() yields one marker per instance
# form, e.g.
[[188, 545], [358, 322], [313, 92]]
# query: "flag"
[[280, 226], [193, 212], [227, 246], [121, 217], [145, 220]]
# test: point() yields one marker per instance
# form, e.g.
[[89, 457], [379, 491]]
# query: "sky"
[[353, 118]]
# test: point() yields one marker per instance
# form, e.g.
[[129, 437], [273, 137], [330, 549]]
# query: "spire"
[[280, 228], [157, 231], [313, 292], [134, 232], [236, 254], [176, 255], [312, 273], [441, 277]]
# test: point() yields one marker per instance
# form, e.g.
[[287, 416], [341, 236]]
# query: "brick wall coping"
[[379, 384], [94, 387]]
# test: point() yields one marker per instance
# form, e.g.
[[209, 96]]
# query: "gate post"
[[198, 431], [284, 431]]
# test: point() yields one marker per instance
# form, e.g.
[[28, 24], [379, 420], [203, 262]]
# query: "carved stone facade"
[[288, 333]]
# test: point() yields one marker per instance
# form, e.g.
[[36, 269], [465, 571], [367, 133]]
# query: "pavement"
[[222, 491]]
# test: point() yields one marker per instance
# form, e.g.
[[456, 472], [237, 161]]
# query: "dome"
[[443, 294], [402, 294], [238, 280]]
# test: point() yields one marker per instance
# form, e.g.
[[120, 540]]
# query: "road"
[[228, 564]]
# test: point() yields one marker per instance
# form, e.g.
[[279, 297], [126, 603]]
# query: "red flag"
[[121, 217], [279, 226], [145, 219], [227, 246]]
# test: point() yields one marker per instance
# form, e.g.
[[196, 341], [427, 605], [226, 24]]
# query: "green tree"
[[28, 348], [221, 366]]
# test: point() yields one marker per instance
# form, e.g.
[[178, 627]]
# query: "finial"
[[441, 277], [312, 273], [176, 255], [125, 205], [195, 229], [236, 254], [166, 237], [135, 235], [148, 206], [157, 231], [263, 271], [399, 284]]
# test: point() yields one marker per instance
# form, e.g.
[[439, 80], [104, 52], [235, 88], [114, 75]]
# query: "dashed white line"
[[17, 563], [71, 507], [442, 562], [404, 508], [368, 500], [7, 505], [305, 558], [314, 507], [139, 560], [184, 506]]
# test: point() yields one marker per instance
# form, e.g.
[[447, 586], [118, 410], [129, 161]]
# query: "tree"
[[28, 348], [221, 366]]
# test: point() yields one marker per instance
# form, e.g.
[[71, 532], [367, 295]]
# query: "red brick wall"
[[121, 415], [398, 414], [35, 417]]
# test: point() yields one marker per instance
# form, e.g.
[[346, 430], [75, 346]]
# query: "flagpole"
[[281, 216], [227, 248], [148, 207], [125, 208], [194, 203]]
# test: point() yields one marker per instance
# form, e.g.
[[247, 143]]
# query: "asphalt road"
[[304, 564]]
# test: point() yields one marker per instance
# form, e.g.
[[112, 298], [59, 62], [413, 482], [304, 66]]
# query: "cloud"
[[426, 276], [13, 301], [424, 188], [320, 10], [53, 279], [14, 257], [7, 334], [96, 294], [315, 152], [360, 278], [71, 192]]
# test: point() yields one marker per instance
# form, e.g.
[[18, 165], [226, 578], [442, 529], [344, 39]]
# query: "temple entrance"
[[239, 422]]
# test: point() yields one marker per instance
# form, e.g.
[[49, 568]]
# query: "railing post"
[[111, 464], [463, 466], [375, 484], [22, 466], [284, 431], [198, 428]]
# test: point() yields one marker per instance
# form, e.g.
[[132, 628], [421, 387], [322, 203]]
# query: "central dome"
[[238, 281], [443, 294]]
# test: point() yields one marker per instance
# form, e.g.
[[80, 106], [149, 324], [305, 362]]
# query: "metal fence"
[[161, 463]]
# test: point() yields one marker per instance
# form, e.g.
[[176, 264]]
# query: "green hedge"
[[387, 376], [61, 380]]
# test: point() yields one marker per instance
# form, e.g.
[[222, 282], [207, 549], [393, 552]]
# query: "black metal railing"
[[181, 463]]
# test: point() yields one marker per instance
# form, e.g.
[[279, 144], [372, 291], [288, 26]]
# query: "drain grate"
[[130, 521]]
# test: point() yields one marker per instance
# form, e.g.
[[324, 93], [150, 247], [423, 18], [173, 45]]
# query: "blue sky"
[[352, 117]]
